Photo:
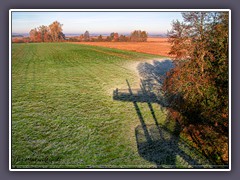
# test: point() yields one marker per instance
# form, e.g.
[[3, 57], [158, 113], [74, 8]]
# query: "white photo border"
[[113, 10]]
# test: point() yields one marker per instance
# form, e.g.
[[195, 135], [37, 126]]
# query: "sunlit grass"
[[63, 112]]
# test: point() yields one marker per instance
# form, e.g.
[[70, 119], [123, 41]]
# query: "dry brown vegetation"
[[154, 45]]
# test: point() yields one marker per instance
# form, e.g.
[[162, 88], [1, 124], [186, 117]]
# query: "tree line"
[[54, 33], [135, 36], [197, 87]]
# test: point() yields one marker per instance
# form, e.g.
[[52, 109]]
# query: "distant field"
[[65, 112], [157, 46]]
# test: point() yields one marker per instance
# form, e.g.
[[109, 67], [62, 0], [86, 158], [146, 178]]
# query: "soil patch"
[[158, 46]]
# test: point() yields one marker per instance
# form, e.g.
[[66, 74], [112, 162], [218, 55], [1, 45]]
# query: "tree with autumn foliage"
[[138, 36], [123, 38], [197, 88], [86, 36], [51, 33], [116, 37], [44, 33], [56, 31], [100, 38], [34, 35]]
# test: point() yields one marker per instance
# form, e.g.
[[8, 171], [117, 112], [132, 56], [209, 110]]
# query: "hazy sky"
[[96, 22]]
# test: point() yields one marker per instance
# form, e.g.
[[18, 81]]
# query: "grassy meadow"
[[64, 114]]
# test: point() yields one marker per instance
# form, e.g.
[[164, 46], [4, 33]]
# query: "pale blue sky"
[[96, 22]]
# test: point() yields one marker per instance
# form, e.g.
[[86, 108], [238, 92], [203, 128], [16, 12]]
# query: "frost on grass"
[[167, 150]]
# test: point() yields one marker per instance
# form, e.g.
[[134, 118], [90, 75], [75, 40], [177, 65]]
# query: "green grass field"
[[64, 114]]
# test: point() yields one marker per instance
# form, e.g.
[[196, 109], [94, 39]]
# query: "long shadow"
[[143, 125], [155, 142], [155, 73], [145, 91], [204, 134], [168, 150]]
